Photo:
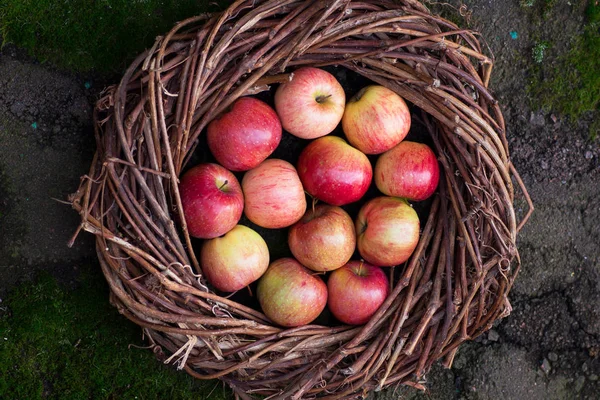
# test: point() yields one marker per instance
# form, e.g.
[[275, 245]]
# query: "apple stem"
[[321, 99], [224, 184], [360, 268], [250, 291], [363, 228], [314, 202], [358, 95]]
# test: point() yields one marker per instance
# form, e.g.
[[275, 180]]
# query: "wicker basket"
[[452, 289]]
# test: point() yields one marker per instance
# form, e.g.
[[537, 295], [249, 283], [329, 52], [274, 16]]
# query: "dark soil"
[[548, 348]]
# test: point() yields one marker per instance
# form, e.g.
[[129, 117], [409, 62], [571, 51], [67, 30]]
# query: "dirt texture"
[[46, 142], [548, 348]]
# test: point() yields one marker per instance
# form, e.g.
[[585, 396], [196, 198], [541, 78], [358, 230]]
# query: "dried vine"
[[451, 290]]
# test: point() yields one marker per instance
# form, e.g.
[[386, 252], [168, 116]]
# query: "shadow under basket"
[[452, 289]]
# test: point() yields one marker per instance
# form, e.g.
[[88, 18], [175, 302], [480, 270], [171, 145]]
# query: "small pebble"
[[579, 384], [537, 119], [593, 377], [540, 373], [544, 164], [584, 367], [546, 367], [493, 336], [553, 357], [589, 155], [18, 109], [459, 362]]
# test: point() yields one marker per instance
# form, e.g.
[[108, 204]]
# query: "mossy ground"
[[86, 35], [571, 84], [59, 343]]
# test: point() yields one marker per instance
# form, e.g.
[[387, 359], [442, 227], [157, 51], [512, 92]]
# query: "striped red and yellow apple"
[[291, 294], [376, 119], [311, 104], [212, 200], [387, 231], [245, 135], [324, 239], [235, 260], [409, 170], [356, 291], [273, 194]]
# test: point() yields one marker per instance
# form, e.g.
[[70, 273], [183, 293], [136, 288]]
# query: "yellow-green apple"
[[376, 119], [243, 137], [212, 200], [356, 291], [235, 260], [311, 104], [408, 170], [387, 231], [290, 294], [324, 239], [273, 194], [333, 171]]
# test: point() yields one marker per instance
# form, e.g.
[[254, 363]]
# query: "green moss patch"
[[57, 343], [571, 85], [89, 35]]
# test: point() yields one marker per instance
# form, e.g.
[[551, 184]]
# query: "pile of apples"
[[334, 172]]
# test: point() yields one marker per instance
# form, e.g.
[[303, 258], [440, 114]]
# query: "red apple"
[[333, 171], [235, 260], [311, 104], [212, 200], [273, 193], [324, 239], [375, 120], [290, 295], [245, 136], [387, 231], [356, 291], [409, 170]]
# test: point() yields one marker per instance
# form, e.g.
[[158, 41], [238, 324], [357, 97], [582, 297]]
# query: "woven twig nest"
[[453, 287]]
